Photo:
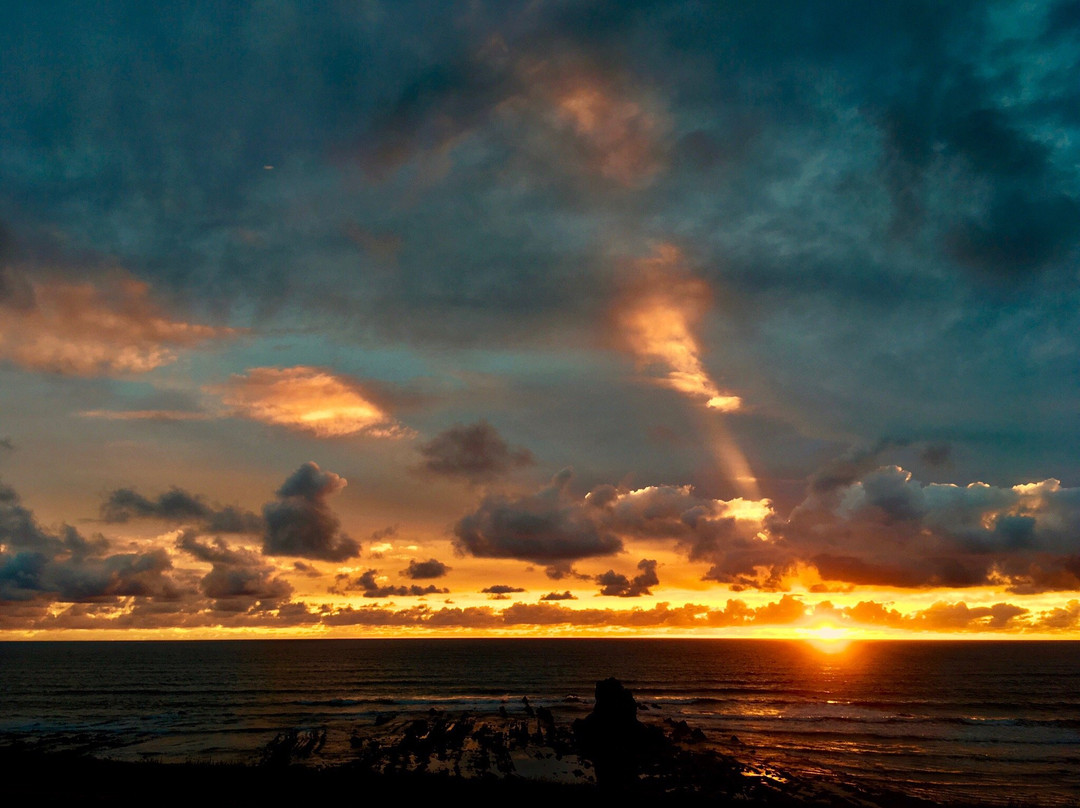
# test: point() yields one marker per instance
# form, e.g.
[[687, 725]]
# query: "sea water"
[[991, 722]]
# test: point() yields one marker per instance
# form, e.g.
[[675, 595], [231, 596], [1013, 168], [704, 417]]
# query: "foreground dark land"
[[609, 757], [62, 778]]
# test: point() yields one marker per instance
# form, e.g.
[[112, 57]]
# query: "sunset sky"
[[389, 318]]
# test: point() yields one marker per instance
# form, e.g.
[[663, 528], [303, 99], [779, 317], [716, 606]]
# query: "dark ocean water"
[[987, 721]]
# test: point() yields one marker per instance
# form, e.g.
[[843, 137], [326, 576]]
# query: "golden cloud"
[[308, 399], [83, 329], [656, 320]]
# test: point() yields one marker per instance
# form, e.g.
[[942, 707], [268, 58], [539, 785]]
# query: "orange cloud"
[[657, 319], [83, 329], [619, 136], [307, 399]]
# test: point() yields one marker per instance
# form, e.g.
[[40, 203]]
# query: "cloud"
[[82, 329], [501, 591], [656, 319], [566, 595], [564, 569], [6, 444], [789, 611], [544, 527], [307, 399], [617, 136], [1061, 618], [943, 616], [856, 527], [368, 584], [888, 529], [238, 577], [618, 585], [148, 615], [179, 507], [574, 119], [146, 415], [475, 452], [555, 528], [300, 522], [432, 568], [36, 564]]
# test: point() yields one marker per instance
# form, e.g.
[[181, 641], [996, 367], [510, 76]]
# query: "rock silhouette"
[[613, 739]]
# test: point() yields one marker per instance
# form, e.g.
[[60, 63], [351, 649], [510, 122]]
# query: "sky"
[[540, 318]]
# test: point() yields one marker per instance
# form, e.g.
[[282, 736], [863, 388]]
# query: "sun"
[[828, 639]]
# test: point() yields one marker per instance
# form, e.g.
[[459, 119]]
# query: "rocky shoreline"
[[520, 754]]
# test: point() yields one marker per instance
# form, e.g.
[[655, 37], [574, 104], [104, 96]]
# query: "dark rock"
[[613, 739]]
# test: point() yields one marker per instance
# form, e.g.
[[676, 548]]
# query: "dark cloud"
[[384, 533], [238, 577], [501, 591], [848, 467], [563, 569], [888, 529], [618, 585], [1017, 234], [475, 452], [432, 568], [5, 443], [300, 522], [241, 585], [942, 616], [566, 595], [178, 507], [37, 564], [858, 526], [174, 506], [936, 454], [547, 526], [367, 583]]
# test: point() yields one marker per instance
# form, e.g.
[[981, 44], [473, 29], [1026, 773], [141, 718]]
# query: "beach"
[[523, 753]]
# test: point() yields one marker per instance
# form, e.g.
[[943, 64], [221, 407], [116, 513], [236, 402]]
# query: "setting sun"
[[829, 639]]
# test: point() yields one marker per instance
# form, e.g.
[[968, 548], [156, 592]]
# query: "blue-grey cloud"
[[473, 452], [544, 527], [39, 565], [300, 522], [178, 507], [238, 578]]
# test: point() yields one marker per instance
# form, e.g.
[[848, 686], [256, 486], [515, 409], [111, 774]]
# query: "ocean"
[[991, 722]]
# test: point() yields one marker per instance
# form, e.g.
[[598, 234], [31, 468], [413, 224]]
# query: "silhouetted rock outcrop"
[[613, 739]]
